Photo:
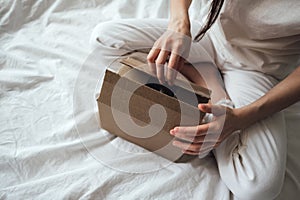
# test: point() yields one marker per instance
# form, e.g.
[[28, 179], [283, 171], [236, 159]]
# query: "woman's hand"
[[201, 139], [173, 46]]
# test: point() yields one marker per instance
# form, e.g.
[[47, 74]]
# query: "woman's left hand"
[[201, 139]]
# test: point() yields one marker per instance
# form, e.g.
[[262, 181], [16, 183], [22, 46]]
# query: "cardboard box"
[[130, 97]]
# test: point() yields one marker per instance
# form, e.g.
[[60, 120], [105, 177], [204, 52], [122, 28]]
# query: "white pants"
[[252, 164]]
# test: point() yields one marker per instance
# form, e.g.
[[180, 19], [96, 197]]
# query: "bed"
[[51, 146]]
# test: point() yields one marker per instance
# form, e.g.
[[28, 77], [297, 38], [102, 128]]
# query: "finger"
[[160, 61], [211, 138], [192, 146], [179, 67], [187, 146], [201, 153], [151, 57], [172, 68], [188, 138], [152, 68], [180, 64], [192, 139], [205, 107], [199, 130], [194, 153], [153, 54], [214, 109]]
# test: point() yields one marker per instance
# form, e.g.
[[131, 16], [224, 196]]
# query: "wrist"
[[180, 25], [247, 116]]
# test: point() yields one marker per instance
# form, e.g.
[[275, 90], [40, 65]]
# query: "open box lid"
[[136, 61], [124, 108]]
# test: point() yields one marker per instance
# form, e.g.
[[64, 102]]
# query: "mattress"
[[51, 146]]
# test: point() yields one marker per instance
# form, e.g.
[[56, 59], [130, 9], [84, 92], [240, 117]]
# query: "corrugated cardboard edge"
[[172, 151], [186, 105], [137, 64], [141, 66]]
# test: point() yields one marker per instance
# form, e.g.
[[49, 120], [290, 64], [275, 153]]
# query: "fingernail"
[[172, 132], [203, 105]]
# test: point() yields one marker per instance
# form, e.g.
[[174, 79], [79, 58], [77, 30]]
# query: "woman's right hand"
[[173, 46]]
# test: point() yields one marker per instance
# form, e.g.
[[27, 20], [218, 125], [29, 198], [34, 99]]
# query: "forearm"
[[179, 18], [284, 94]]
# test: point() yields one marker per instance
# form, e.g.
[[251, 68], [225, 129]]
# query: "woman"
[[256, 46]]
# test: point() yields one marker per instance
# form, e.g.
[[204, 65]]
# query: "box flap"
[[180, 81]]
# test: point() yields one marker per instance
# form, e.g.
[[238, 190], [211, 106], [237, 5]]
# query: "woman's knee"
[[252, 164], [267, 187], [247, 184], [106, 34]]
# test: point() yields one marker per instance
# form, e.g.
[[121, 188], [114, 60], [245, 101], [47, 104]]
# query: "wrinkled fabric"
[[259, 163], [259, 35], [47, 150]]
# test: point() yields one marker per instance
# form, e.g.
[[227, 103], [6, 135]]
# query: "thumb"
[[214, 109], [205, 107]]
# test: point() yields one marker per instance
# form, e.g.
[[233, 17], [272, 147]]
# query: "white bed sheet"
[[42, 155], [50, 144]]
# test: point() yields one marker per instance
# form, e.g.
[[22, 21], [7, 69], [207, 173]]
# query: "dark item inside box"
[[179, 102]]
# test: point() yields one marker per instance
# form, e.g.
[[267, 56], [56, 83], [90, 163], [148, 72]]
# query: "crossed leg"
[[252, 164]]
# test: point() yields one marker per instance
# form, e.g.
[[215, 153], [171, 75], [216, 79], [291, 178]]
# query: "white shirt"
[[261, 35]]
